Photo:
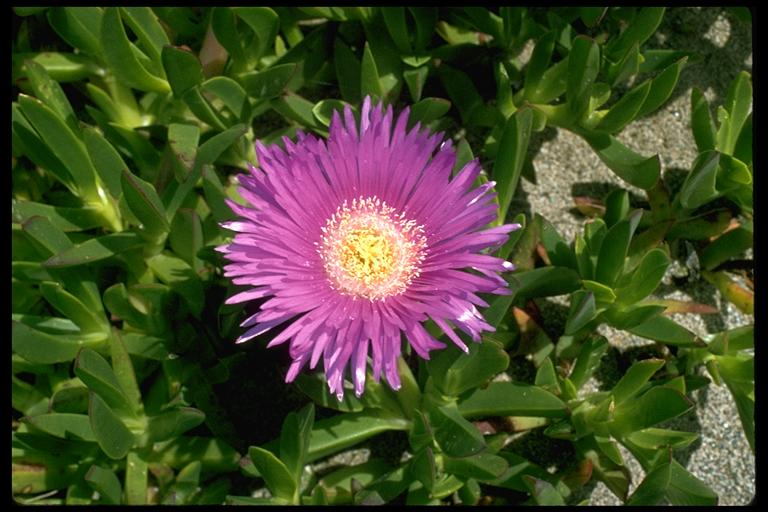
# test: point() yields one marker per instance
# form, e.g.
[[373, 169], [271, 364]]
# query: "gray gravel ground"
[[566, 166]]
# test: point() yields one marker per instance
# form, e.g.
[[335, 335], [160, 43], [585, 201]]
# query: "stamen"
[[369, 251]]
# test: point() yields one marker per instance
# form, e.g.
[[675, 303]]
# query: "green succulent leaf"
[[654, 406], [42, 348], [635, 379], [625, 110], [62, 425], [645, 279], [78, 26], [113, 436], [509, 160], [456, 436], [455, 372], [183, 69], [583, 67], [511, 399], [582, 311], [95, 249], [661, 88], [635, 169], [663, 329], [639, 30], [295, 439], [276, 475], [105, 482], [121, 55], [737, 106]]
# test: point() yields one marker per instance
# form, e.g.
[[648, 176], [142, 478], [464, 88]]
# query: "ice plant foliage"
[[360, 239]]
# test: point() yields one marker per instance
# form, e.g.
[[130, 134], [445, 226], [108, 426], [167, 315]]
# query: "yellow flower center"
[[370, 252]]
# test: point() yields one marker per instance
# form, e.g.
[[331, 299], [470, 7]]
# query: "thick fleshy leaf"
[[483, 466], [124, 372], [738, 373], [107, 161], [183, 69], [455, 372], [700, 183], [635, 169], [661, 88], [136, 471], [186, 237], [729, 245], [173, 423], [294, 439], [207, 153], [232, 95], [703, 127], [72, 308], [663, 329], [339, 432], [105, 482], [42, 348], [324, 110], [628, 66], [654, 406], [181, 278], [582, 311], [113, 436], [613, 250], [145, 204], [625, 110], [145, 25], [588, 360], [98, 375], [50, 93], [120, 54], [64, 144], [214, 454], [658, 438], [632, 316], [66, 219], [635, 379], [540, 59], [543, 492], [348, 71], [510, 157], [422, 467], [296, 108], [616, 207], [95, 249], [370, 84], [278, 478], [456, 436], [461, 90], [645, 278], [511, 399], [583, 66], [62, 425], [737, 107], [70, 400], [637, 32], [78, 26], [429, 109], [544, 282], [264, 23]]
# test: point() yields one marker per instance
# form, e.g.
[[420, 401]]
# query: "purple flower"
[[360, 239]]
